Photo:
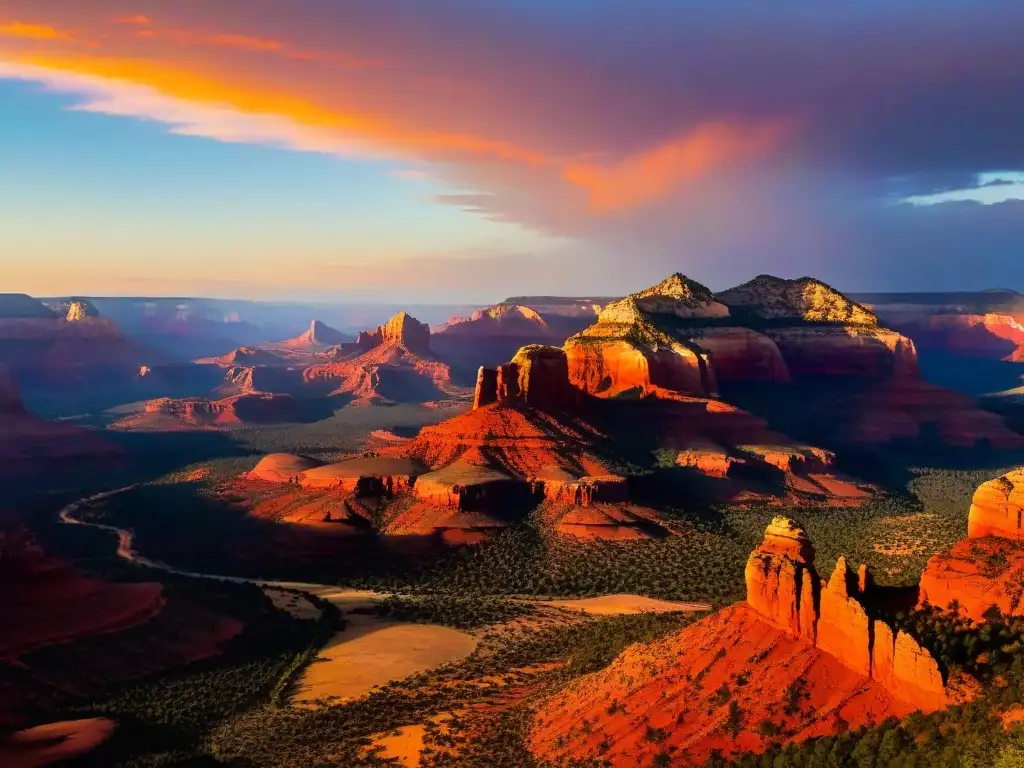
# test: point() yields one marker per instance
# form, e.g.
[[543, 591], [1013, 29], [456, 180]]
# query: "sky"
[[462, 151]]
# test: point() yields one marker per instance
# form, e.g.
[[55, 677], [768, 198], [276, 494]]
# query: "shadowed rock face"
[[784, 588], [20, 306]]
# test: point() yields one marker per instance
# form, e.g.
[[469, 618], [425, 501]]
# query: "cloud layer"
[[724, 139]]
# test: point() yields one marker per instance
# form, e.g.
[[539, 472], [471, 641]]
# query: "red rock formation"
[[975, 575], [993, 336], [849, 351], [60, 354], [250, 408], [911, 411], [843, 623], [282, 468], [673, 686], [318, 335], [392, 364], [806, 299], [363, 476], [742, 355], [987, 568], [783, 587], [998, 508]]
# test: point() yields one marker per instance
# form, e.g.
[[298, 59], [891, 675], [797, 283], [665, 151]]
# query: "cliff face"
[[783, 587], [998, 508], [678, 335]]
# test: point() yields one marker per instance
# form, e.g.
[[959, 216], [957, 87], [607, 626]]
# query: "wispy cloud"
[[39, 32], [138, 19]]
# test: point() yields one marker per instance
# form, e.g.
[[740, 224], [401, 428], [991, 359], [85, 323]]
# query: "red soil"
[[54, 742], [977, 574], [673, 685]]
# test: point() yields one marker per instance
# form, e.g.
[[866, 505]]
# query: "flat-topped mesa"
[[538, 376], [997, 508], [20, 306], [784, 588]]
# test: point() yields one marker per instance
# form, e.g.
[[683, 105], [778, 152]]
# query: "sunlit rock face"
[[784, 588]]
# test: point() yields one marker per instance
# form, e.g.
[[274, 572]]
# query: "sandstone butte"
[[987, 568], [392, 363], [794, 637]]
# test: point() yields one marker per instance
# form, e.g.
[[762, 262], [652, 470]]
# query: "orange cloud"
[[299, 122], [651, 174], [138, 19], [36, 32]]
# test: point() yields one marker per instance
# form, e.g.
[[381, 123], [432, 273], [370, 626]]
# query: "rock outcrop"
[[992, 336], [200, 412], [627, 350], [783, 587], [394, 363], [985, 570], [80, 310], [538, 377], [998, 508], [282, 468], [319, 335], [806, 300]]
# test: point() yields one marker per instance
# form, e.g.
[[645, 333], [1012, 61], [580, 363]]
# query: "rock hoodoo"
[[783, 587], [998, 508]]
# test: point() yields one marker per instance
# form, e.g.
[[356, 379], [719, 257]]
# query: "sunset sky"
[[466, 151]]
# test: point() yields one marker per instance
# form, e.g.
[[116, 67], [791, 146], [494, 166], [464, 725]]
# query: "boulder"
[[997, 508]]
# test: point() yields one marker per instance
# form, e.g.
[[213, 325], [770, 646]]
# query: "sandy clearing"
[[406, 747], [616, 605], [297, 605], [47, 744], [372, 651]]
